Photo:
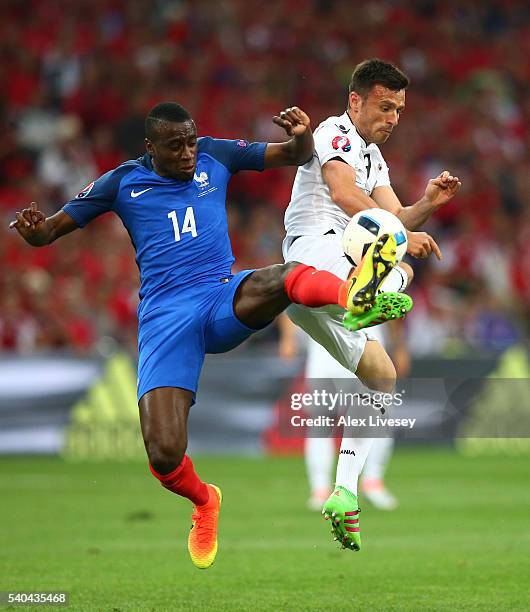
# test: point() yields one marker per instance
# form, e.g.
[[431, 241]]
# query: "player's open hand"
[[29, 222], [293, 120], [421, 245], [442, 188]]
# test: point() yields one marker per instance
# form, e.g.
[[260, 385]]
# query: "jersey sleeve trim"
[[331, 143], [98, 197], [235, 155], [75, 214], [347, 159]]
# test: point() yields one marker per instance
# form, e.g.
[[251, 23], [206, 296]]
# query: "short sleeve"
[[96, 198], [235, 155], [330, 142]]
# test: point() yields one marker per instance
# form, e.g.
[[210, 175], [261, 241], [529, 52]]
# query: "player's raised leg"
[[265, 293], [164, 420]]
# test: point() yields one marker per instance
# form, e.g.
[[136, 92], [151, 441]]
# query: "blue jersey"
[[178, 228]]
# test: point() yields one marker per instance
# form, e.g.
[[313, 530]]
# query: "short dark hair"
[[377, 72], [163, 113]]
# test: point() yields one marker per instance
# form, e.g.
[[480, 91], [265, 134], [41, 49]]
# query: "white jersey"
[[311, 211]]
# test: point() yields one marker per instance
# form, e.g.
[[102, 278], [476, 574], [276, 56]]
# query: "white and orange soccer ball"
[[367, 226]]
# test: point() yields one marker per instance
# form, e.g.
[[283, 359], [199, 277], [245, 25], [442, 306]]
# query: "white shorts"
[[320, 364], [324, 325]]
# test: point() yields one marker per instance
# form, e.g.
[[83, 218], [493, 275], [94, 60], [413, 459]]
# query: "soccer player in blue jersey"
[[172, 203]]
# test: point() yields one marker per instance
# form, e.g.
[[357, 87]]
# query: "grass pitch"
[[115, 540]]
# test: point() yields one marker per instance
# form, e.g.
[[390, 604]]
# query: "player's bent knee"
[[375, 369], [164, 456], [270, 282], [386, 379], [288, 267], [275, 282], [382, 380]]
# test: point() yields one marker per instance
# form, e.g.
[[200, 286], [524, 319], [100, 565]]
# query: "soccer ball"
[[368, 225]]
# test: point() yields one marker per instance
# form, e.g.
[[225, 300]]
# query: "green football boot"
[[359, 292], [343, 510], [387, 306]]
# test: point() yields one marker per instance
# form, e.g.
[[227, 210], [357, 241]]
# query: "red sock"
[[311, 287], [184, 481]]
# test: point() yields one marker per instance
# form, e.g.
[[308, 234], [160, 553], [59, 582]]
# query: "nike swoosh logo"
[[135, 194]]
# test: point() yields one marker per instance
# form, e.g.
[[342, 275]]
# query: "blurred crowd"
[[78, 78]]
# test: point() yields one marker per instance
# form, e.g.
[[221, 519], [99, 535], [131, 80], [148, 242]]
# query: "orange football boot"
[[202, 541]]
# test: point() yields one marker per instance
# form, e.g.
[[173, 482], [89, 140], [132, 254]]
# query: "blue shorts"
[[173, 339]]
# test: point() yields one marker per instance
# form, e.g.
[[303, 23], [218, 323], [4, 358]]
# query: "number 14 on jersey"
[[188, 225]]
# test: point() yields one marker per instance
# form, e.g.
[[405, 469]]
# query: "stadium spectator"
[[77, 89]]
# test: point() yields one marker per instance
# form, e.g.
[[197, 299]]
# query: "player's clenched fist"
[[293, 120]]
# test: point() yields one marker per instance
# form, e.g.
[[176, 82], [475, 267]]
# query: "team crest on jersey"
[[242, 143], [342, 129], [341, 142], [202, 179], [84, 192]]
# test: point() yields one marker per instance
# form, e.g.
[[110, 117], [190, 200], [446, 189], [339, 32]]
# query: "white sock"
[[352, 456], [396, 281], [378, 458], [319, 454]]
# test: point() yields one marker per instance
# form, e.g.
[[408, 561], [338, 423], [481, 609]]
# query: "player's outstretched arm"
[[299, 149], [38, 230], [340, 179], [439, 191]]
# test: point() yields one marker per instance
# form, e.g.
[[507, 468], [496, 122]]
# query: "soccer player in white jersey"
[[348, 174]]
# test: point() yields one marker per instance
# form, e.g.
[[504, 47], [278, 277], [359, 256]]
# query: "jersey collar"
[[347, 119], [147, 162]]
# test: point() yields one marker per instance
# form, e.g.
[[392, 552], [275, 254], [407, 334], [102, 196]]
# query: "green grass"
[[113, 538]]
